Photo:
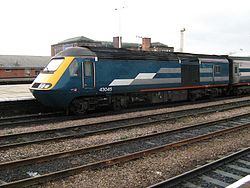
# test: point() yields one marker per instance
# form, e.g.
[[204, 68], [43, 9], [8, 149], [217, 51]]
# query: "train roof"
[[125, 54], [240, 58], [116, 53]]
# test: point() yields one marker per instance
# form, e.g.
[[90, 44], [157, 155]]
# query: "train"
[[80, 79]]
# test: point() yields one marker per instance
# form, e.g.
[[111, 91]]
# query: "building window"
[[27, 72], [8, 70], [37, 72]]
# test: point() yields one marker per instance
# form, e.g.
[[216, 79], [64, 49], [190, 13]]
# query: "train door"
[[88, 74], [190, 74], [75, 75], [236, 74], [213, 74]]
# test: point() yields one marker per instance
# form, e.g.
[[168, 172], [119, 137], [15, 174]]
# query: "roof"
[[130, 45], [108, 44], [116, 53], [19, 61], [76, 51], [76, 39], [125, 54], [158, 44], [246, 58]]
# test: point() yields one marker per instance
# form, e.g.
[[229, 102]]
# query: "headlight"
[[41, 85], [47, 86], [44, 85]]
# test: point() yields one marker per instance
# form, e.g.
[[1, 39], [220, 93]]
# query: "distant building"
[[17, 66], [84, 41]]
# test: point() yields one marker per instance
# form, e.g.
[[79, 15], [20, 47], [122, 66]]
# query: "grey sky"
[[29, 27]]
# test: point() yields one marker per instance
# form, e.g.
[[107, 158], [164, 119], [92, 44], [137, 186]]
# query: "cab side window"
[[74, 69], [88, 68]]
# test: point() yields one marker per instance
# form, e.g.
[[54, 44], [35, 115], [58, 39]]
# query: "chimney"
[[146, 44], [116, 42], [53, 53]]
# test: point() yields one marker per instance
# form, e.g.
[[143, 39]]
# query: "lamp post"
[[182, 39]]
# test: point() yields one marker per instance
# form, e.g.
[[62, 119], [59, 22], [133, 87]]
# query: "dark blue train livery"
[[79, 78]]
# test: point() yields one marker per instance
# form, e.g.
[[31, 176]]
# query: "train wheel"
[[79, 107], [120, 102], [192, 97], [117, 106]]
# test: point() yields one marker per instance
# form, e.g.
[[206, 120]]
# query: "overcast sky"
[[29, 27]]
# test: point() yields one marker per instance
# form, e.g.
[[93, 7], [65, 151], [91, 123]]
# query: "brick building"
[[84, 41], [17, 66]]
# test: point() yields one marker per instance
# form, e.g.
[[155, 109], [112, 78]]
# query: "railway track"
[[44, 168], [36, 113], [14, 121], [80, 131], [220, 173], [17, 108]]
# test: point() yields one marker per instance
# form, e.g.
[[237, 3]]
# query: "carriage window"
[[217, 69], [235, 69], [88, 68], [73, 68]]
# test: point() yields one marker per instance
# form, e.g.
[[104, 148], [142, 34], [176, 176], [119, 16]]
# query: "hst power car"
[[80, 78]]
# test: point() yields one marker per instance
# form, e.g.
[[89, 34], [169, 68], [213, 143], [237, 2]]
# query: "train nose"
[[46, 97], [42, 96], [52, 98]]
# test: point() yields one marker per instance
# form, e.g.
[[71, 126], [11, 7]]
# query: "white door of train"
[[236, 73]]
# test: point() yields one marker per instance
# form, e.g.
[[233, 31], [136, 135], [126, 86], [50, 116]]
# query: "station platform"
[[15, 93]]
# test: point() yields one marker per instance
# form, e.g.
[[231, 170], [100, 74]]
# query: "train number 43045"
[[105, 89]]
